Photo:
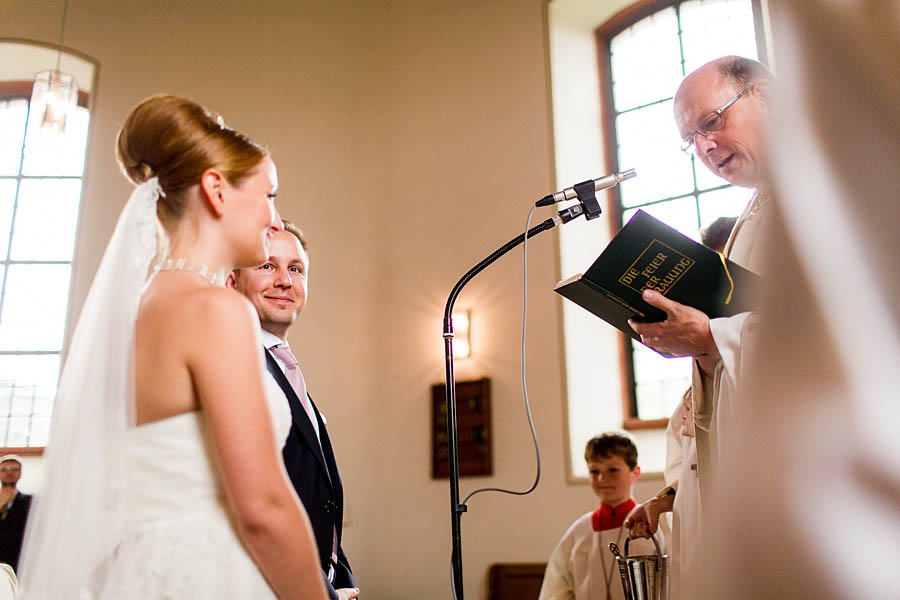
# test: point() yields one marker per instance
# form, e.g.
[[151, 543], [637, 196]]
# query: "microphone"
[[599, 184]]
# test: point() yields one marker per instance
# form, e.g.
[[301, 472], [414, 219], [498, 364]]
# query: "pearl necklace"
[[181, 264]]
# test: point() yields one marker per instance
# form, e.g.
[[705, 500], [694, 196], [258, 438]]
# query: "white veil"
[[74, 525]]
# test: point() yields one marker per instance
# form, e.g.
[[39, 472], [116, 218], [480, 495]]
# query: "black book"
[[649, 253]]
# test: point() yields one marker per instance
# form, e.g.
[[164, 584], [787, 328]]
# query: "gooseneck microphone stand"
[[588, 206]]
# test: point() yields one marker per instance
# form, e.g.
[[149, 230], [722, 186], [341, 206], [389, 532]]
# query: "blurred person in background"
[[14, 507]]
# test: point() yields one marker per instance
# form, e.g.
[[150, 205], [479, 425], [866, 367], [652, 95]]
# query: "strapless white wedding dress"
[[179, 542]]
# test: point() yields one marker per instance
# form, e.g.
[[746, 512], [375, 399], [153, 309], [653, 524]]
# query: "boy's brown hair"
[[609, 444]]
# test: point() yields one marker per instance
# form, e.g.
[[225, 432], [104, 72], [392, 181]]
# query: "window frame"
[[21, 90], [603, 36]]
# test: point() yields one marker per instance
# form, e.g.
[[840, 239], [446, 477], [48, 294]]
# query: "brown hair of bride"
[[176, 140]]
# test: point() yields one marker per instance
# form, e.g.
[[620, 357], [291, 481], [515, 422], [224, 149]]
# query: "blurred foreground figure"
[[811, 501]]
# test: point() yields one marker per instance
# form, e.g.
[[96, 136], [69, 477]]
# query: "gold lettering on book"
[[629, 276], [658, 267], [652, 283], [656, 263], [668, 280]]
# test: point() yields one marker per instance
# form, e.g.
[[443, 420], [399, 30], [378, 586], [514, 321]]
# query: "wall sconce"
[[462, 347]]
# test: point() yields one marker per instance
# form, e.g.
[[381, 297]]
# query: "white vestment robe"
[[581, 563], [714, 393], [681, 473]]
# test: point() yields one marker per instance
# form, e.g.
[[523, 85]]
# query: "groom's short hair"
[[292, 229], [297, 233]]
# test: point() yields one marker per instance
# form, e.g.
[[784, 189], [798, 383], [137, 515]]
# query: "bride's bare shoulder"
[[195, 307]]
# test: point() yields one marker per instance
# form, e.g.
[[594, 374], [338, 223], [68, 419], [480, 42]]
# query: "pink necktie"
[[295, 377]]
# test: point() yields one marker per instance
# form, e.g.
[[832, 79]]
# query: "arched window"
[[40, 195]]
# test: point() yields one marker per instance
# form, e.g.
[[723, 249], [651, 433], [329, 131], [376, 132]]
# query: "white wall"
[[22, 61]]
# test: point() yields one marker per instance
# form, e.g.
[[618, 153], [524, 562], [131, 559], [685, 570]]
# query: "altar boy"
[[582, 567]]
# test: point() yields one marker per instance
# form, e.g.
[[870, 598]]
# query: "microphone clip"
[[587, 197]]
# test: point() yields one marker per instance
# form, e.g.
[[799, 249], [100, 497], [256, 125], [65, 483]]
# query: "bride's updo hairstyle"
[[176, 140]]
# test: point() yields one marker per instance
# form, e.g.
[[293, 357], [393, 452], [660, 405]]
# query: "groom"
[[278, 289]]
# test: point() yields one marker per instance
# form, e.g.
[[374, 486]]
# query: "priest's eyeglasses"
[[712, 122]]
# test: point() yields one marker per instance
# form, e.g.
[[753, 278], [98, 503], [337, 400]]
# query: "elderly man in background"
[[14, 507], [722, 111]]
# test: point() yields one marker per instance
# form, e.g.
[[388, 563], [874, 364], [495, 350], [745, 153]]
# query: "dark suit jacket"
[[314, 473], [12, 528]]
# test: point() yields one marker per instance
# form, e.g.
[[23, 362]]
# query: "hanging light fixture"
[[55, 94]]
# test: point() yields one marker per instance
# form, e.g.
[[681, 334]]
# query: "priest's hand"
[[347, 593], [685, 332], [643, 520]]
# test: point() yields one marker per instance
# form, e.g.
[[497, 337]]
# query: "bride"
[[163, 473]]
